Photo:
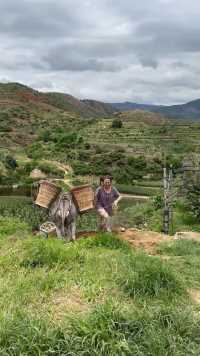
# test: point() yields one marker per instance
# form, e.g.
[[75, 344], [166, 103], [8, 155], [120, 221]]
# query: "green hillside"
[[134, 292], [41, 133]]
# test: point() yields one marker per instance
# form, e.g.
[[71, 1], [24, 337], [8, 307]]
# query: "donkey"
[[63, 213]]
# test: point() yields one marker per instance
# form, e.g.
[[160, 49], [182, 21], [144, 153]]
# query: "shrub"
[[69, 140], [158, 202], [81, 168], [117, 124], [35, 150], [11, 162], [45, 136]]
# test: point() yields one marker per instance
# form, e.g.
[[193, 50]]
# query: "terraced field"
[[141, 138]]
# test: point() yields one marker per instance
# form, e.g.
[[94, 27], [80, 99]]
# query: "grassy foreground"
[[96, 296]]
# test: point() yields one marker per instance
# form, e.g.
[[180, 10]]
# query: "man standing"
[[107, 198]]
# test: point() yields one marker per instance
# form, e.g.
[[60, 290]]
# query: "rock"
[[187, 235], [37, 174]]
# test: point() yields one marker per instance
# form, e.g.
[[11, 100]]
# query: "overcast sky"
[[146, 51]]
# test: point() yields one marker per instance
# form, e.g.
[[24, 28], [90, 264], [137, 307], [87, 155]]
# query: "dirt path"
[[146, 240], [136, 197], [139, 239]]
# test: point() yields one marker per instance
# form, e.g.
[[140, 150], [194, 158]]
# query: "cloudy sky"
[[146, 51]]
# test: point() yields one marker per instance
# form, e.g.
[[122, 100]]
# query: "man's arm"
[[118, 198]]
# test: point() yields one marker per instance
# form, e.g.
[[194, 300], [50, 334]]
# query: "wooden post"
[[166, 206], [167, 211], [170, 196]]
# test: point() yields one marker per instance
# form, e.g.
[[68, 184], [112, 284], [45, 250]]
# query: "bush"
[[81, 168], [45, 136], [11, 162], [35, 151], [117, 124], [158, 202], [70, 140]]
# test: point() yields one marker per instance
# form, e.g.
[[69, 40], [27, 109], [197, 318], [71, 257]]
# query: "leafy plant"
[[117, 124]]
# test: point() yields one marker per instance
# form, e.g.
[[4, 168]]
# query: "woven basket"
[[48, 192], [83, 198]]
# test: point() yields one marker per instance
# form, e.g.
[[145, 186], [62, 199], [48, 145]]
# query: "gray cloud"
[[107, 50]]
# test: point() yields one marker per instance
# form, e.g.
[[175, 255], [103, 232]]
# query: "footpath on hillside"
[[146, 240]]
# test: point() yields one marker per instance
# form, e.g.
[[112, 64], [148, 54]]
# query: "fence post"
[[167, 212], [166, 205]]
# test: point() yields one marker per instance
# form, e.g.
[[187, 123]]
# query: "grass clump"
[[105, 240], [22, 335], [49, 253], [149, 276], [180, 248], [108, 330]]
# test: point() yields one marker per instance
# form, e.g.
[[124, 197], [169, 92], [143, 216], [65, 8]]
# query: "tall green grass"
[[180, 248], [149, 276], [107, 331], [135, 304]]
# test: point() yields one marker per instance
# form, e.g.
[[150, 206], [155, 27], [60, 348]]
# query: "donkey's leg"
[[59, 232], [73, 230]]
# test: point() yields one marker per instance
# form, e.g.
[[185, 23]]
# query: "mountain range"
[[15, 93], [190, 110]]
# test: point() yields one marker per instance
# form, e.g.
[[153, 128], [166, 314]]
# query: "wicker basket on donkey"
[[83, 197], [47, 193]]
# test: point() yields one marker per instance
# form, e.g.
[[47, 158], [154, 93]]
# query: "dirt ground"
[[140, 239], [147, 240]]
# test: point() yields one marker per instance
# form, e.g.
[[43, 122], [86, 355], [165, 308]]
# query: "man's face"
[[107, 182]]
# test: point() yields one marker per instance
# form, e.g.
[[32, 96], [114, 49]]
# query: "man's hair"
[[101, 179], [108, 177]]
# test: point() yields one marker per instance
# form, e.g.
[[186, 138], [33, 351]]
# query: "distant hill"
[[189, 110], [105, 109], [141, 116], [13, 93]]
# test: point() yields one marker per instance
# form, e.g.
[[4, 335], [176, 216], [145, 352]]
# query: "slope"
[[190, 110]]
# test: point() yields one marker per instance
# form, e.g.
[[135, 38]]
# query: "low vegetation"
[[97, 296]]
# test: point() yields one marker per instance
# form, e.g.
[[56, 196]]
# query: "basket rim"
[[47, 182], [81, 187]]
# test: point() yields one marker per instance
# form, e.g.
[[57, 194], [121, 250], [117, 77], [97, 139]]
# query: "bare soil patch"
[[146, 240]]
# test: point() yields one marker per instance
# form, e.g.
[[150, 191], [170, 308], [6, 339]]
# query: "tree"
[[193, 199], [117, 124]]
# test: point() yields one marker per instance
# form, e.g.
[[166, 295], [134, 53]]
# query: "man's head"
[[101, 180], [107, 182]]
